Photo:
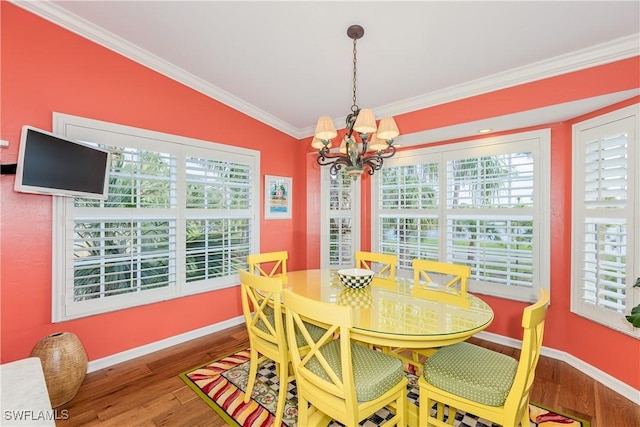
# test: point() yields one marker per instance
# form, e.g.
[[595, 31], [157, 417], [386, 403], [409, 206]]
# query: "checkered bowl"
[[355, 278]]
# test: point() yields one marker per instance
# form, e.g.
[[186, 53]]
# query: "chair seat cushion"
[[472, 372], [374, 372]]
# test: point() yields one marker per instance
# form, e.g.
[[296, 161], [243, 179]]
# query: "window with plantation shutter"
[[218, 217], [340, 237], [409, 211], [180, 218], [605, 213], [490, 217], [484, 204]]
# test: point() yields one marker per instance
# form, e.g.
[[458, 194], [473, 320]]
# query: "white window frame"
[[623, 120], [114, 135], [538, 142], [326, 213]]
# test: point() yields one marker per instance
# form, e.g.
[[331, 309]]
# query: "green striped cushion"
[[472, 372], [374, 372]]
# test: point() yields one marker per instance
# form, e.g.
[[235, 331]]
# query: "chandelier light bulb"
[[317, 143], [376, 144], [366, 122], [325, 128], [387, 129]]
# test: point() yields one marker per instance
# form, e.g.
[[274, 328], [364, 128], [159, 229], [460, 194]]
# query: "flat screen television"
[[50, 164]]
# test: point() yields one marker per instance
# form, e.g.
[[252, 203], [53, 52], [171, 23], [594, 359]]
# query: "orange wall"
[[46, 69]]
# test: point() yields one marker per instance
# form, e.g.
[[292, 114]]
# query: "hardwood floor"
[[148, 392]]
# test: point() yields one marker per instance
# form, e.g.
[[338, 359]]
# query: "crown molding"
[[86, 29], [622, 48], [615, 50]]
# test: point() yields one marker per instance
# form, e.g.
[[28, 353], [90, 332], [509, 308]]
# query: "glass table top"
[[388, 306]]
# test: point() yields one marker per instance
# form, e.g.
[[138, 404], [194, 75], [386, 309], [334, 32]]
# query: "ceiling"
[[286, 63]]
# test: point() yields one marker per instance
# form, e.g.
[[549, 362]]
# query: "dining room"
[[201, 183]]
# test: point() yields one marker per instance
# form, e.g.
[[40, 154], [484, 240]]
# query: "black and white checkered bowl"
[[355, 278]]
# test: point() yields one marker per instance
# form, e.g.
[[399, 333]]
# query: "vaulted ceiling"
[[286, 63]]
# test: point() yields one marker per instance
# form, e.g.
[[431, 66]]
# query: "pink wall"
[[46, 69]]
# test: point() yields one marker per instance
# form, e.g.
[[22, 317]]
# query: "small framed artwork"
[[277, 197]]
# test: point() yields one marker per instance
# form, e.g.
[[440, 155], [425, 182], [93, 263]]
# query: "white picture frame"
[[277, 197]]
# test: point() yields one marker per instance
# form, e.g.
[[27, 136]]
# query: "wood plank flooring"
[[148, 392]]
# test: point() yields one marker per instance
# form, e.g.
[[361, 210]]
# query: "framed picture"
[[277, 197]]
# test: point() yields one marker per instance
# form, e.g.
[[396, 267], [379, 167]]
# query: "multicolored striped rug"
[[222, 383]]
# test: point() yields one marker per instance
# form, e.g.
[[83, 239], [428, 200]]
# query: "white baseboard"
[[605, 379], [124, 356]]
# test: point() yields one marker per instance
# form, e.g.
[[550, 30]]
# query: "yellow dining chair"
[[262, 309], [438, 281], [269, 264], [383, 264], [450, 284], [340, 379], [485, 383]]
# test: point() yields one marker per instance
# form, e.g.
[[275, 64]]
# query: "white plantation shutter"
[[180, 218], [498, 181], [410, 187], [409, 212], [484, 204], [339, 212], [114, 257], [604, 205], [605, 168], [219, 201], [490, 217], [216, 184]]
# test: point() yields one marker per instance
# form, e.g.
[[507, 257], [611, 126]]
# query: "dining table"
[[387, 314]]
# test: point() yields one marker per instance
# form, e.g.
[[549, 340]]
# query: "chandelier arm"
[[337, 156], [365, 144], [386, 154], [334, 169], [336, 162], [374, 162]]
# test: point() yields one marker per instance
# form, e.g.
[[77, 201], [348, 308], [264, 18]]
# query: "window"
[[340, 213], [484, 204], [606, 211], [180, 219]]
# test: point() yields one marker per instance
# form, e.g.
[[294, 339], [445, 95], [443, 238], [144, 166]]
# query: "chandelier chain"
[[354, 107], [365, 145]]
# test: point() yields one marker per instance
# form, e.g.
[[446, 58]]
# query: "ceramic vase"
[[64, 363]]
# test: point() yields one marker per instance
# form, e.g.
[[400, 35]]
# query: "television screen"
[[49, 164]]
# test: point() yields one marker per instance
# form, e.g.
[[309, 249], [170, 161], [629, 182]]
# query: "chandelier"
[[374, 144]]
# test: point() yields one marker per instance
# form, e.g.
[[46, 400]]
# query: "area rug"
[[222, 383]]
